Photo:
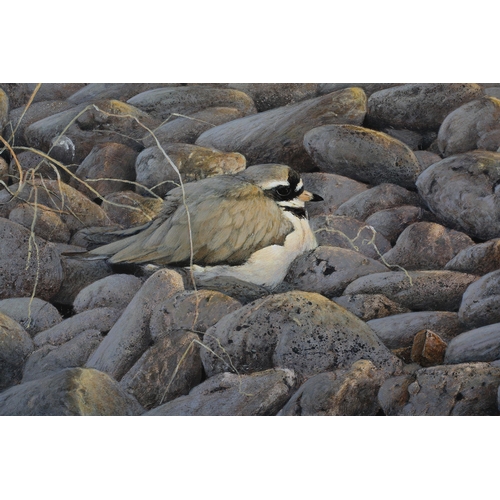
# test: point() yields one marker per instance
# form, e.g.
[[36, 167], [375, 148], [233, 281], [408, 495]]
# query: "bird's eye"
[[283, 191]]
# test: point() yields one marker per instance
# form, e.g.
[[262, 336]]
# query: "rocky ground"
[[397, 312]]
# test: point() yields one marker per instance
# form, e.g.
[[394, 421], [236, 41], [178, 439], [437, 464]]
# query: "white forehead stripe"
[[273, 184], [300, 185]]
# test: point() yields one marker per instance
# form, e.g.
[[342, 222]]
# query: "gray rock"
[[74, 209], [15, 346], [33, 314], [399, 331], [109, 160], [73, 391], [86, 126], [4, 171], [129, 208], [154, 170], [27, 264], [362, 154], [114, 291], [418, 106], [229, 394], [26, 161], [242, 291], [302, 331], [414, 140], [463, 192], [120, 91], [367, 307], [101, 319], [349, 233], [54, 91], [4, 109], [195, 311], [464, 389], [481, 301], [369, 88], [393, 394], [426, 246], [466, 128], [380, 197], [334, 189], [276, 135], [130, 337], [45, 222], [426, 159], [480, 344], [163, 102], [350, 392], [50, 359], [417, 290], [328, 270], [186, 129], [78, 274], [391, 222], [21, 118], [274, 95], [167, 370], [479, 259]]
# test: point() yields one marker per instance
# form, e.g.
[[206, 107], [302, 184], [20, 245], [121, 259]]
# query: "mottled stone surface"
[[480, 344], [479, 259], [370, 306]]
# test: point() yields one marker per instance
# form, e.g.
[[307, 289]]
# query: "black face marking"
[[298, 212], [287, 192]]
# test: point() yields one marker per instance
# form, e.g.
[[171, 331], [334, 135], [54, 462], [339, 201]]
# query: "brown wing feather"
[[229, 222]]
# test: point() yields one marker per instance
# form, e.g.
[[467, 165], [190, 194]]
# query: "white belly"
[[267, 267]]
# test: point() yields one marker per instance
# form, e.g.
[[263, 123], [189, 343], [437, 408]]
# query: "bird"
[[250, 226]]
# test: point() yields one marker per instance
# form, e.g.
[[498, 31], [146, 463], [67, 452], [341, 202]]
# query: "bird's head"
[[282, 184]]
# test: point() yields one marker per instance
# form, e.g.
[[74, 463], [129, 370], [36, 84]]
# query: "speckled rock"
[[274, 95], [426, 245], [187, 129], [45, 222], [399, 330], [393, 394], [73, 391], [4, 109], [391, 222], [50, 359], [167, 370], [301, 331], [74, 209], [33, 314], [54, 91], [350, 392], [380, 197], [334, 189], [479, 259], [195, 311], [114, 291], [229, 394], [15, 347], [89, 125], [481, 301], [155, 171], [27, 265], [163, 102], [328, 270], [276, 135], [463, 192], [369, 88], [109, 160], [28, 163], [418, 106], [130, 337], [101, 319], [426, 159], [367, 307], [120, 91], [414, 140], [242, 291], [129, 208], [480, 344], [464, 389], [471, 127], [417, 290], [362, 154], [349, 233], [21, 118]]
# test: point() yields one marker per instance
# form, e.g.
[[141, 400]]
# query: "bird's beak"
[[307, 196]]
